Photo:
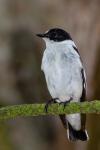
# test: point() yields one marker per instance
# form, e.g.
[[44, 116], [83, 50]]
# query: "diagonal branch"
[[24, 110]]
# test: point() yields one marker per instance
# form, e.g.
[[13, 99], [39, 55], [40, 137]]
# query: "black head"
[[56, 34]]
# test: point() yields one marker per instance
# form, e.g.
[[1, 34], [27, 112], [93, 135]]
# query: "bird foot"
[[51, 101], [66, 102]]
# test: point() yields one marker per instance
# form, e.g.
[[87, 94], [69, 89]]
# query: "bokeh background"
[[21, 78]]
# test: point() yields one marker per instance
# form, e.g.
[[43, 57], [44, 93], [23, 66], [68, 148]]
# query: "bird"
[[65, 77]]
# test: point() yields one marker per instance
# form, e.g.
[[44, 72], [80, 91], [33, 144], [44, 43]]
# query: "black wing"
[[83, 96]]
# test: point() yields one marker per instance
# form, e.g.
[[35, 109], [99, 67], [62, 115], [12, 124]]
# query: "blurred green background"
[[21, 78]]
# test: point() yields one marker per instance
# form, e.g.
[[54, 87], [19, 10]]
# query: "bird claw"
[[51, 101], [65, 103]]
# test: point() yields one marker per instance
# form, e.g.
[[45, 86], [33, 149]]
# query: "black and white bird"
[[65, 77]]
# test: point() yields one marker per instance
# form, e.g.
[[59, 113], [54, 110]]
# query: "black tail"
[[74, 135]]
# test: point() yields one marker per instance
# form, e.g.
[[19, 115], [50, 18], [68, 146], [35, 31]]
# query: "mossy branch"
[[24, 110]]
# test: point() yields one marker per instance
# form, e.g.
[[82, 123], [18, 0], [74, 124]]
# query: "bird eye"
[[54, 35]]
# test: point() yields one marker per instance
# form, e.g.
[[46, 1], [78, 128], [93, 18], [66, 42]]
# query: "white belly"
[[64, 82]]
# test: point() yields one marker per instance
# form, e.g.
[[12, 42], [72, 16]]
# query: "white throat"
[[50, 43], [59, 48]]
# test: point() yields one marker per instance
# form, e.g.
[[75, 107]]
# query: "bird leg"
[[66, 102], [51, 101]]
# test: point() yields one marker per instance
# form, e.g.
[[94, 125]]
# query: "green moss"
[[10, 112]]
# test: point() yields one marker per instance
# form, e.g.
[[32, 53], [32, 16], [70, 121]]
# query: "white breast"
[[62, 67]]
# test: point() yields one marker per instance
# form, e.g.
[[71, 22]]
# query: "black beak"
[[41, 35]]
